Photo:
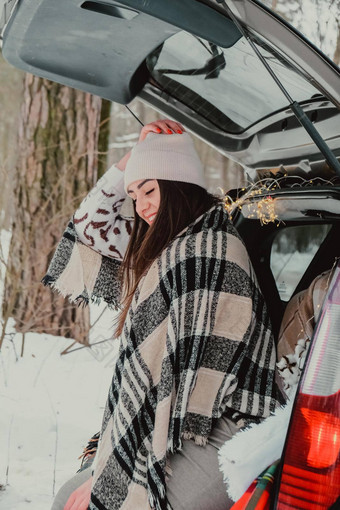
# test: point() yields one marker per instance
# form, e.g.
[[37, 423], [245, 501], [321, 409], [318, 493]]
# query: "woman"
[[197, 357]]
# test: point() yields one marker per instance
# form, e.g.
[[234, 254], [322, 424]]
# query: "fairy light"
[[265, 210], [258, 200]]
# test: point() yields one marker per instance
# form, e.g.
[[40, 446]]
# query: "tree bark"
[[104, 136], [57, 165]]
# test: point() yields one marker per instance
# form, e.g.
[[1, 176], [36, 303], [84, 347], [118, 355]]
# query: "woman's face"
[[146, 195]]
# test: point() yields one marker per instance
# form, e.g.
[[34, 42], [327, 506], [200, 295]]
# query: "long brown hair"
[[180, 204]]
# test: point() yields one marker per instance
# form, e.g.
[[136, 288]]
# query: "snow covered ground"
[[50, 405]]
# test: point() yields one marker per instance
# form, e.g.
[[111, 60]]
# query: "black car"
[[245, 81]]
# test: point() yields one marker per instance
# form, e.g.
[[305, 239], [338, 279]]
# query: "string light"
[[257, 198], [260, 204]]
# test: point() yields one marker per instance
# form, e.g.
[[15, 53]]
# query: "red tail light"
[[310, 476], [324, 436]]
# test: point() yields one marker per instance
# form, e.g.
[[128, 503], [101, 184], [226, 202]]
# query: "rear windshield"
[[228, 86]]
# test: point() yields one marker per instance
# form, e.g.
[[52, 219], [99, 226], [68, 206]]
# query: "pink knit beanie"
[[169, 157]]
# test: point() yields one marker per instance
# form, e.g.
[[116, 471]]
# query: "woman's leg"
[[196, 482], [71, 485]]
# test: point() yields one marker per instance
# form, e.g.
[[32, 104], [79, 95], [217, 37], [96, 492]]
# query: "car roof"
[[189, 60]]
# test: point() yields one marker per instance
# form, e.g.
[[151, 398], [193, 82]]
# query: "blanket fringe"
[[199, 440], [168, 470], [160, 502], [81, 300], [49, 281]]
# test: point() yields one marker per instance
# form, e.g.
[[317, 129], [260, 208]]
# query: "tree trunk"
[[57, 165], [104, 136]]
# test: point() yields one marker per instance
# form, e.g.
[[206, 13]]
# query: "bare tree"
[[56, 166]]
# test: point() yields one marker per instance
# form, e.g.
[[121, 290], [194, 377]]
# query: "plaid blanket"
[[82, 274], [196, 343]]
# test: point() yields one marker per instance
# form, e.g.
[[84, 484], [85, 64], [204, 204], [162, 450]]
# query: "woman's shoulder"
[[215, 221], [209, 230]]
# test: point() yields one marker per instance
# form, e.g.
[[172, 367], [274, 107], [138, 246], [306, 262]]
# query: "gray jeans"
[[195, 483]]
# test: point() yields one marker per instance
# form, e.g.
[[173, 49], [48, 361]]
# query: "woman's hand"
[[80, 498], [164, 126]]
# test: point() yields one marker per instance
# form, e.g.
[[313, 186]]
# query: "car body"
[[197, 62]]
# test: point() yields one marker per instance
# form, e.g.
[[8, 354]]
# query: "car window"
[[227, 86], [292, 251]]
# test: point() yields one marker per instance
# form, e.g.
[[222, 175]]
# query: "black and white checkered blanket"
[[196, 344]]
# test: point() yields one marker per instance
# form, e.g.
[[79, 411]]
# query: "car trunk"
[[189, 60]]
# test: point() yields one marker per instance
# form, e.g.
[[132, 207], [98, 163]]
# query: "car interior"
[[321, 230]]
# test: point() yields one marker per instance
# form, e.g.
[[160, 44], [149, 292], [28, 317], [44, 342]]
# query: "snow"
[[51, 404]]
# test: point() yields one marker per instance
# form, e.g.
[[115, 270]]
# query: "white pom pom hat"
[[169, 157]]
